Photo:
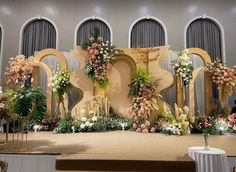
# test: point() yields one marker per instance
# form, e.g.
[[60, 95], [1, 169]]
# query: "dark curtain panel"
[[86, 29], [38, 35], [205, 34], [147, 33]]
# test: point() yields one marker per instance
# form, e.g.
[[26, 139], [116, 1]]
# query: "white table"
[[212, 160], [29, 163]]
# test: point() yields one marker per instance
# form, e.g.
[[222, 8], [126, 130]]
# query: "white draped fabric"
[[199, 89], [212, 160], [169, 95], [29, 163]]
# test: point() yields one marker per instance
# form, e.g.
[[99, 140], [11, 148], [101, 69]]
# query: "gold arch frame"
[[38, 63], [207, 83]]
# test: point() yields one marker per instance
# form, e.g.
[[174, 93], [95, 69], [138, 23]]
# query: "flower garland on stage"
[[224, 78], [183, 67], [101, 55]]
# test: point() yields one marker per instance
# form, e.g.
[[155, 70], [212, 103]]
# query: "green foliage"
[[141, 78], [64, 126], [95, 124], [27, 103]]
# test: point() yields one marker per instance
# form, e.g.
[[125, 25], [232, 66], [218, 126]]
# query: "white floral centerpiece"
[[183, 67]]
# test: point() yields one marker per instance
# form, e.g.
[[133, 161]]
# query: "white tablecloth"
[[29, 163], [212, 160]]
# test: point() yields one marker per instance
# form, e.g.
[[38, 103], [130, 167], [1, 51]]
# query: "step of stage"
[[119, 162]]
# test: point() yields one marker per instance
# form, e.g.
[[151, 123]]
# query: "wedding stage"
[[121, 150]]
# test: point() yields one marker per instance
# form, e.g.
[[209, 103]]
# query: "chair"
[[3, 166]]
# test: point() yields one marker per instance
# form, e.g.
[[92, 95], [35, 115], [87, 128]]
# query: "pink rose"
[[94, 45], [143, 126], [153, 130], [138, 130], [145, 131], [134, 125], [232, 118], [100, 38], [135, 118]]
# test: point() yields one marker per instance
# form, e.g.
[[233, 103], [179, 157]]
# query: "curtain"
[[205, 34], [86, 30], [169, 95], [38, 35], [199, 86], [147, 33]]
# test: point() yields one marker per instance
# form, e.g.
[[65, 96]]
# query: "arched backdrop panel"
[[85, 30], [147, 33], [38, 35]]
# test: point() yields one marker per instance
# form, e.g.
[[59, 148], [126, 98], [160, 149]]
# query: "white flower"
[[82, 126], [54, 90], [87, 123], [90, 124], [94, 118]]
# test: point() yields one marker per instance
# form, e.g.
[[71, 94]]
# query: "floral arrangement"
[[172, 128], [142, 89], [224, 78], [60, 83], [93, 124], [178, 124], [101, 55], [183, 67], [221, 124], [19, 70], [232, 121], [205, 123]]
